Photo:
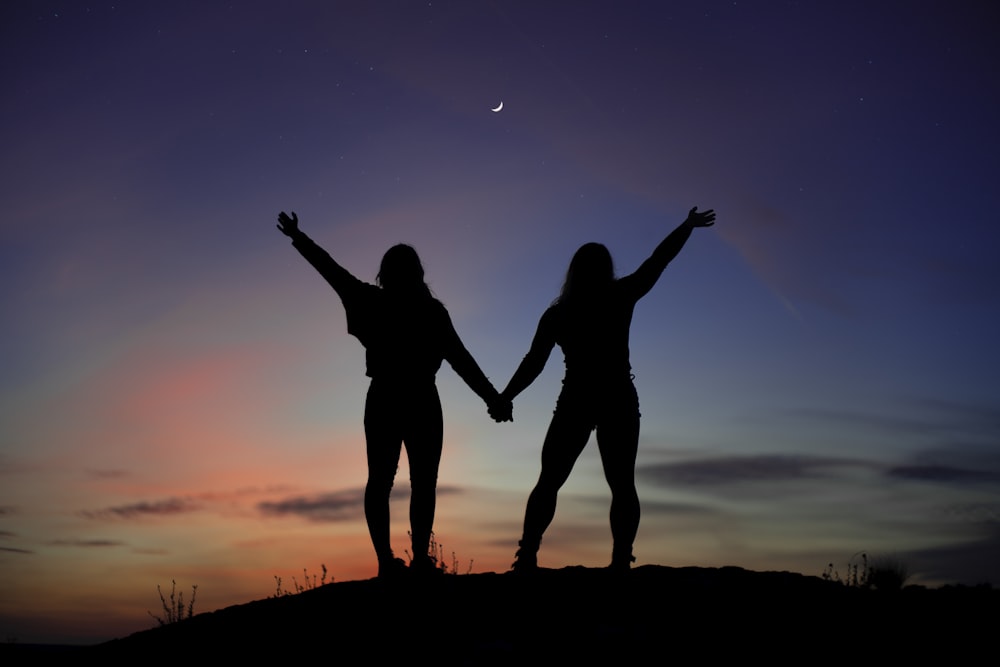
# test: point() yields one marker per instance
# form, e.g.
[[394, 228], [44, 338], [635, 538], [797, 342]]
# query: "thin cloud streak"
[[86, 543], [167, 507], [742, 469], [15, 550], [943, 473], [177, 505], [332, 507], [327, 507]]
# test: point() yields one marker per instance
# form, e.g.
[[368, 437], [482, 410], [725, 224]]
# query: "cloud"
[[740, 469], [331, 507], [222, 502], [167, 507], [942, 473], [14, 550], [956, 463], [86, 543], [326, 507]]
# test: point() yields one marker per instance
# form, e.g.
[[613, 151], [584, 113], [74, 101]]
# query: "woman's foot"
[[621, 562], [391, 568], [526, 558], [424, 567]]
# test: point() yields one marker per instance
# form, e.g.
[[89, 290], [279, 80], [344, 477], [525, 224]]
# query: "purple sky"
[[180, 398]]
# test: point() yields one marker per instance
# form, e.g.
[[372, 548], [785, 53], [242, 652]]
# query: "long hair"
[[401, 272], [590, 272]]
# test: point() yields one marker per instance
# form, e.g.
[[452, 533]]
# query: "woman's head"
[[590, 271], [401, 270]]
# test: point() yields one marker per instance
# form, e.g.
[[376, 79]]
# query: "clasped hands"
[[501, 409]]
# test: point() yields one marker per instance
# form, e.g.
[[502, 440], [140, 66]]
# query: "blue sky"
[[816, 373]]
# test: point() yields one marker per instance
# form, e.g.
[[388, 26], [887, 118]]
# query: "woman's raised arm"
[[340, 279], [650, 271]]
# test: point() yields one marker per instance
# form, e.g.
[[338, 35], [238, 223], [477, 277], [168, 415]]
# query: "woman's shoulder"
[[553, 316], [433, 304]]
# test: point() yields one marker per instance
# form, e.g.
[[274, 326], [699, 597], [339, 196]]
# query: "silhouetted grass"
[[435, 552], [174, 610], [883, 573], [308, 583]]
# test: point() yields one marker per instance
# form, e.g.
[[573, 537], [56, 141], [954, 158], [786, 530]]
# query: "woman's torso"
[[594, 336], [406, 337]]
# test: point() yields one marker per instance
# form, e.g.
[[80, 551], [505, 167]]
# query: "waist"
[[587, 375], [402, 380]]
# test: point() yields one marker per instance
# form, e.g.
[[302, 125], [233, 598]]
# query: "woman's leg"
[[567, 436], [383, 441], [423, 440], [618, 441]]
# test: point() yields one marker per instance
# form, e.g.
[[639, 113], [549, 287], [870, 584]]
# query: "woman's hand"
[[290, 226], [696, 219]]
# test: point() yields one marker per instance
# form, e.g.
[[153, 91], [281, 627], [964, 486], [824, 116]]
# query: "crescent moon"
[[499, 108]]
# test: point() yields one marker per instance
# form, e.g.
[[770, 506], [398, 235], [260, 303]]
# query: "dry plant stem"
[[174, 611], [884, 573], [308, 583]]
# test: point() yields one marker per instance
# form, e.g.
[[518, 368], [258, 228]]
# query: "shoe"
[[621, 562], [525, 560], [391, 568], [424, 567]]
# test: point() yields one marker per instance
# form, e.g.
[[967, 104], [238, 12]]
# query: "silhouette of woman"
[[406, 333], [590, 321]]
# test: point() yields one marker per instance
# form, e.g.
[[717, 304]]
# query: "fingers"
[[287, 225], [703, 218]]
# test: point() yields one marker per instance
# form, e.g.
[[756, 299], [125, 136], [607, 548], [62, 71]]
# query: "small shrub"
[[883, 573], [436, 553], [857, 572], [308, 583], [174, 611], [887, 573]]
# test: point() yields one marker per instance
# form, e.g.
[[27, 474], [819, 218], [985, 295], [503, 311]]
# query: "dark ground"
[[651, 615]]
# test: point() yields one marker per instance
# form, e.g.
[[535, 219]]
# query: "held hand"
[[501, 410], [288, 226], [703, 219]]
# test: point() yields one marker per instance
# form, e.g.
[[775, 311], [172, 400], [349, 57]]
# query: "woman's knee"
[[550, 480], [423, 484], [379, 484]]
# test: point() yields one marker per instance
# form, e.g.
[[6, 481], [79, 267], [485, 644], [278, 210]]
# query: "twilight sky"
[[180, 398]]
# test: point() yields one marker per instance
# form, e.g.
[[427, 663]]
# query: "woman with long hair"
[[590, 321], [406, 333]]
